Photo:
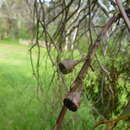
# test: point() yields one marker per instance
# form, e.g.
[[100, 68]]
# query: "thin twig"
[[79, 79], [124, 15]]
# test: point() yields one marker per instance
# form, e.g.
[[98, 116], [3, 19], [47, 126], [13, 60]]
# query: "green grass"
[[20, 107], [16, 85]]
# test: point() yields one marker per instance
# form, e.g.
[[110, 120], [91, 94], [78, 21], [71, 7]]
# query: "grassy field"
[[20, 109], [16, 88]]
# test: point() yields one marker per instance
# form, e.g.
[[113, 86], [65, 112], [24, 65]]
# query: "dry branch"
[[79, 79], [77, 84], [114, 120], [123, 13]]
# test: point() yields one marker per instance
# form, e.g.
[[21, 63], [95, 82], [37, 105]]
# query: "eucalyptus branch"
[[79, 79], [60, 13], [123, 117], [124, 15], [103, 7]]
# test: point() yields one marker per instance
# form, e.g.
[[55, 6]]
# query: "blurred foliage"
[[109, 86], [16, 19]]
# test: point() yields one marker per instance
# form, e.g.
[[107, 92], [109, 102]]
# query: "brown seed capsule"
[[72, 102], [66, 66]]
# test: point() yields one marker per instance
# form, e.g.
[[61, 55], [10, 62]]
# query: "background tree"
[[16, 18]]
